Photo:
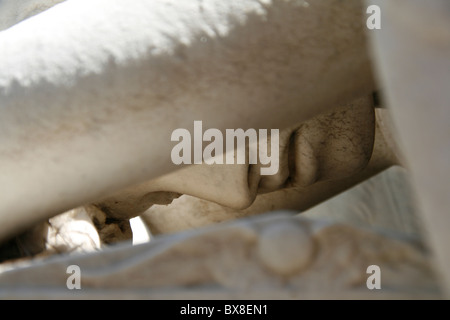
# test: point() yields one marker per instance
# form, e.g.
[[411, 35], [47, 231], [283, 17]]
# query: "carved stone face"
[[72, 132], [330, 147], [86, 112], [317, 159]]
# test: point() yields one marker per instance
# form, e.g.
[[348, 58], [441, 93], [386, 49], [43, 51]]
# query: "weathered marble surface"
[[323, 253], [186, 211], [71, 161], [331, 147], [274, 256], [89, 101]]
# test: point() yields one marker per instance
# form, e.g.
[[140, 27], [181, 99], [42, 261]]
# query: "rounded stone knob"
[[285, 247]]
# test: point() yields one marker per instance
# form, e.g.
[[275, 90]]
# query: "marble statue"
[[90, 92]]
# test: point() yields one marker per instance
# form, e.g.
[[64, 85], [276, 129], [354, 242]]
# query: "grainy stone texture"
[[330, 147], [244, 259], [323, 253], [86, 102]]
